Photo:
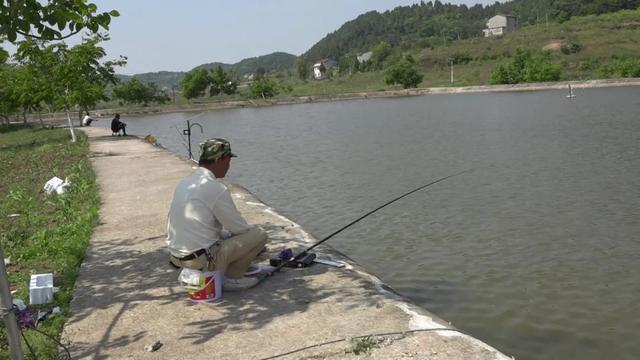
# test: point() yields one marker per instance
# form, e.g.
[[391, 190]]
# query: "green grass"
[[50, 233]]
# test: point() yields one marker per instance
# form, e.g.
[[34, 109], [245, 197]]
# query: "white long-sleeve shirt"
[[201, 208]]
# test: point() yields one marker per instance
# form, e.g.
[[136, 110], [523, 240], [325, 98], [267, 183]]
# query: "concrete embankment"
[[127, 296]]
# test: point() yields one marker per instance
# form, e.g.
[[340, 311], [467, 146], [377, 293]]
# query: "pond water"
[[535, 250]]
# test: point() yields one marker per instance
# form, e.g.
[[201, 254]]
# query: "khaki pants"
[[232, 256]]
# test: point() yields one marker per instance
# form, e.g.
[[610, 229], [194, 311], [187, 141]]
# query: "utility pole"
[[451, 71], [547, 20], [9, 317]]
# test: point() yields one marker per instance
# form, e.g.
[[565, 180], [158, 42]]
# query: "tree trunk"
[[24, 117], [73, 134], [40, 117]]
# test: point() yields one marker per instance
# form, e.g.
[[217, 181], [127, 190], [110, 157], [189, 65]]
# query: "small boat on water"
[[571, 94]]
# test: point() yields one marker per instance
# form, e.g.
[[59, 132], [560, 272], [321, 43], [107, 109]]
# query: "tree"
[[195, 83], [8, 95], [51, 20], [263, 88], [81, 76], [348, 64], [63, 77], [527, 67], [379, 53], [403, 73], [40, 60], [136, 92], [302, 67], [222, 82]]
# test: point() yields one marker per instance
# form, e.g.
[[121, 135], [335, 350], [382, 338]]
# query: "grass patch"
[[363, 345], [45, 233]]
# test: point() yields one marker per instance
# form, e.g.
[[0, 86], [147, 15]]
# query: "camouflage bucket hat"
[[213, 149]]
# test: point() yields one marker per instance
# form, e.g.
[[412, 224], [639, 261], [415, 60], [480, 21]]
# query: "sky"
[[157, 35]]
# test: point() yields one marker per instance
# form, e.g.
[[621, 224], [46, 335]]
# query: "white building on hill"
[[500, 25]]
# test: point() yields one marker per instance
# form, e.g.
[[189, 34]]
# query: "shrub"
[[527, 67], [571, 48], [588, 65], [621, 68], [460, 58], [263, 88], [403, 73]]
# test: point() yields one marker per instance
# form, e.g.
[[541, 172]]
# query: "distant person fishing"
[[87, 120], [117, 126]]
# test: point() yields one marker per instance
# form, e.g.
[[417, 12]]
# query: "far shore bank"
[[59, 118], [377, 94]]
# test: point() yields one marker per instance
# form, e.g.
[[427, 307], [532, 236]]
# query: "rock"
[[153, 347]]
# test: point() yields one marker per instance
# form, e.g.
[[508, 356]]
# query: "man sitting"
[[87, 120], [117, 125], [202, 211]]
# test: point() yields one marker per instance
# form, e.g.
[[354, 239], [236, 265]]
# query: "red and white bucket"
[[202, 286]]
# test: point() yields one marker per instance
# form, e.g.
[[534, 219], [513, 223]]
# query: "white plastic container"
[[41, 289]]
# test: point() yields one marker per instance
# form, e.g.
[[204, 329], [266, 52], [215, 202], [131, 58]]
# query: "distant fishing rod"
[[303, 253]]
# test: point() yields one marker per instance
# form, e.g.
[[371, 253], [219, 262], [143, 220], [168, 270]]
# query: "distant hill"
[[271, 62], [435, 22], [160, 78], [169, 79]]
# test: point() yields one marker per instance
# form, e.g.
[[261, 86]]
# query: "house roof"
[[364, 56]]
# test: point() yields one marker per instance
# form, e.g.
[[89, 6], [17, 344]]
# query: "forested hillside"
[[161, 78], [265, 63], [436, 23]]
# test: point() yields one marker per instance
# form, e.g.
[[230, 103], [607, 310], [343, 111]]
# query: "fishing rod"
[[304, 253]]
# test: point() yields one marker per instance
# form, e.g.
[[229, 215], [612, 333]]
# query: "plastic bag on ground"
[[56, 184]]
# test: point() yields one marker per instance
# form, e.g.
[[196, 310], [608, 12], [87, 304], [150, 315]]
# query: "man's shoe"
[[231, 284]]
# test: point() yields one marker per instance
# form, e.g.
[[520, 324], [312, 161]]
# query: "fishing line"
[[303, 253], [403, 333]]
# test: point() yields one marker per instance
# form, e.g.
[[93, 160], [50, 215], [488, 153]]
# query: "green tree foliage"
[[46, 20], [8, 91], [621, 68], [50, 20], [527, 67], [380, 53], [403, 73], [39, 59], [82, 76], [63, 77], [222, 82], [460, 58], [263, 88], [195, 83], [348, 64], [135, 91], [302, 68]]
